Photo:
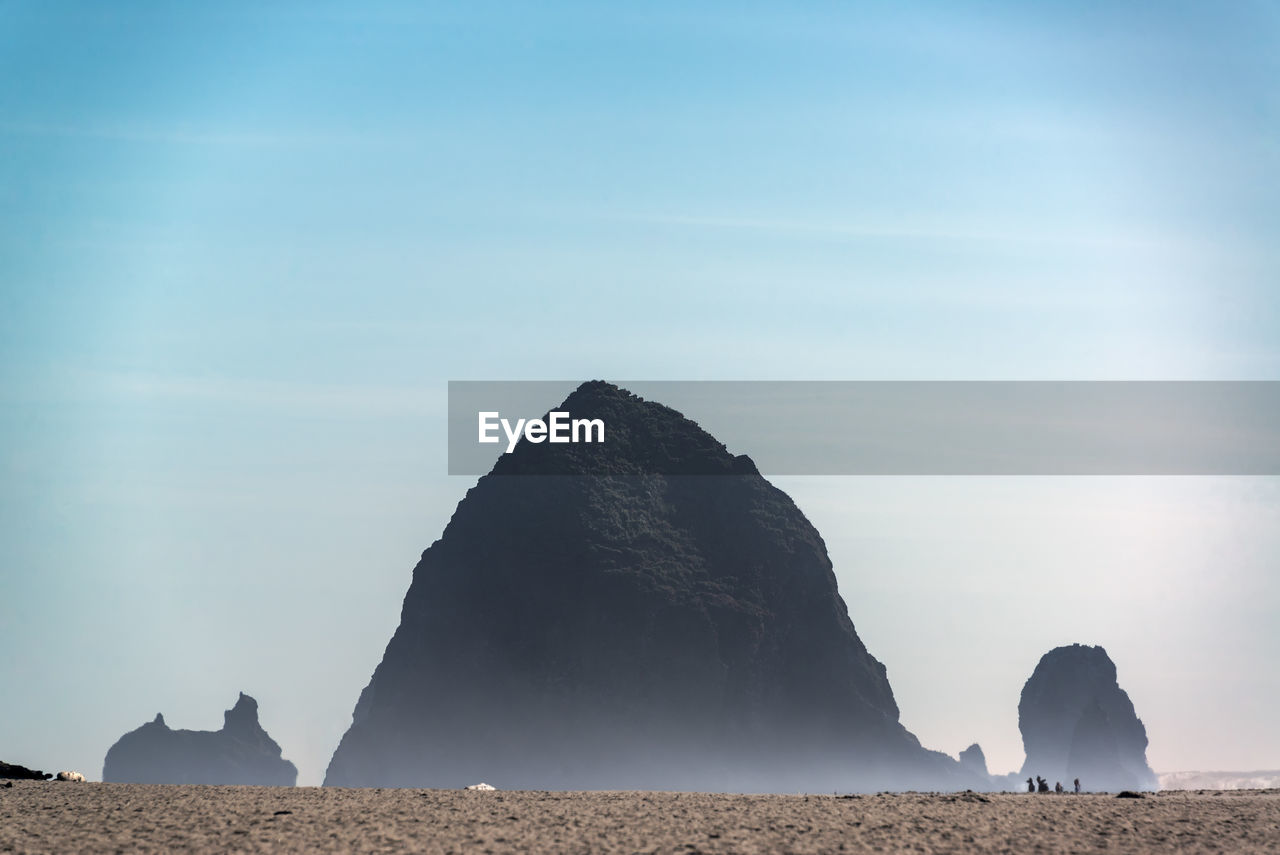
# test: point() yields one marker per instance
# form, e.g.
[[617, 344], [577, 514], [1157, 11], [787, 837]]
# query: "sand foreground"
[[49, 816]]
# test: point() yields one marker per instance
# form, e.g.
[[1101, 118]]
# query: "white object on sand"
[[481, 786], [71, 776]]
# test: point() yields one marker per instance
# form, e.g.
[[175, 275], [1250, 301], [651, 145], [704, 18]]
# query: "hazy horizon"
[[245, 247]]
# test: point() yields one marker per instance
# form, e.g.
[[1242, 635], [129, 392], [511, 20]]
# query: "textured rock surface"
[[1077, 722], [630, 630], [240, 753]]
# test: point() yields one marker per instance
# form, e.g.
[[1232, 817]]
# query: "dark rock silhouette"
[[1077, 722], [630, 630], [240, 753], [974, 760], [22, 773]]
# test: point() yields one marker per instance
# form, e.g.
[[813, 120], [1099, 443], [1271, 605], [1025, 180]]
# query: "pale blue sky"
[[243, 248]]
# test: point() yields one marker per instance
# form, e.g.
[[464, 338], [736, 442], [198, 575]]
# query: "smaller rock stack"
[[1077, 722], [240, 753]]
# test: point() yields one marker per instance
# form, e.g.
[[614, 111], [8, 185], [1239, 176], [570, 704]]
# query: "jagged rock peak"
[[240, 753], [641, 437], [242, 716], [973, 759], [637, 629], [1077, 722]]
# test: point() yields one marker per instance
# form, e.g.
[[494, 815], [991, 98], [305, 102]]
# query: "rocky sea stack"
[[22, 773], [1077, 722], [585, 623], [240, 753]]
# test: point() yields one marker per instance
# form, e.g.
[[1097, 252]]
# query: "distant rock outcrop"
[[974, 760], [240, 753], [1077, 722], [22, 773], [649, 612]]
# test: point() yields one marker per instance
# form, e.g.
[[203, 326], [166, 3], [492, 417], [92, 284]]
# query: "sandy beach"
[[45, 817]]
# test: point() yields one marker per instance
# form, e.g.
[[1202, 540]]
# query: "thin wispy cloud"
[[908, 231], [351, 399], [190, 135]]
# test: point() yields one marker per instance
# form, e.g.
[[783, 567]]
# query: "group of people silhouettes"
[[1040, 785]]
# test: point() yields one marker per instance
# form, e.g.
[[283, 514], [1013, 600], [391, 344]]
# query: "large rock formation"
[[240, 753], [645, 613], [1077, 722]]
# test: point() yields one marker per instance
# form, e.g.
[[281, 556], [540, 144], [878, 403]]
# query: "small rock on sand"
[[482, 786]]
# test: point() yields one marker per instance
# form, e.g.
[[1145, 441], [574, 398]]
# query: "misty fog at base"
[[959, 585]]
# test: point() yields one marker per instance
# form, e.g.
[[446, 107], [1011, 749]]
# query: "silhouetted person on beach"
[[1031, 787], [1042, 785], [1057, 787], [1077, 786]]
